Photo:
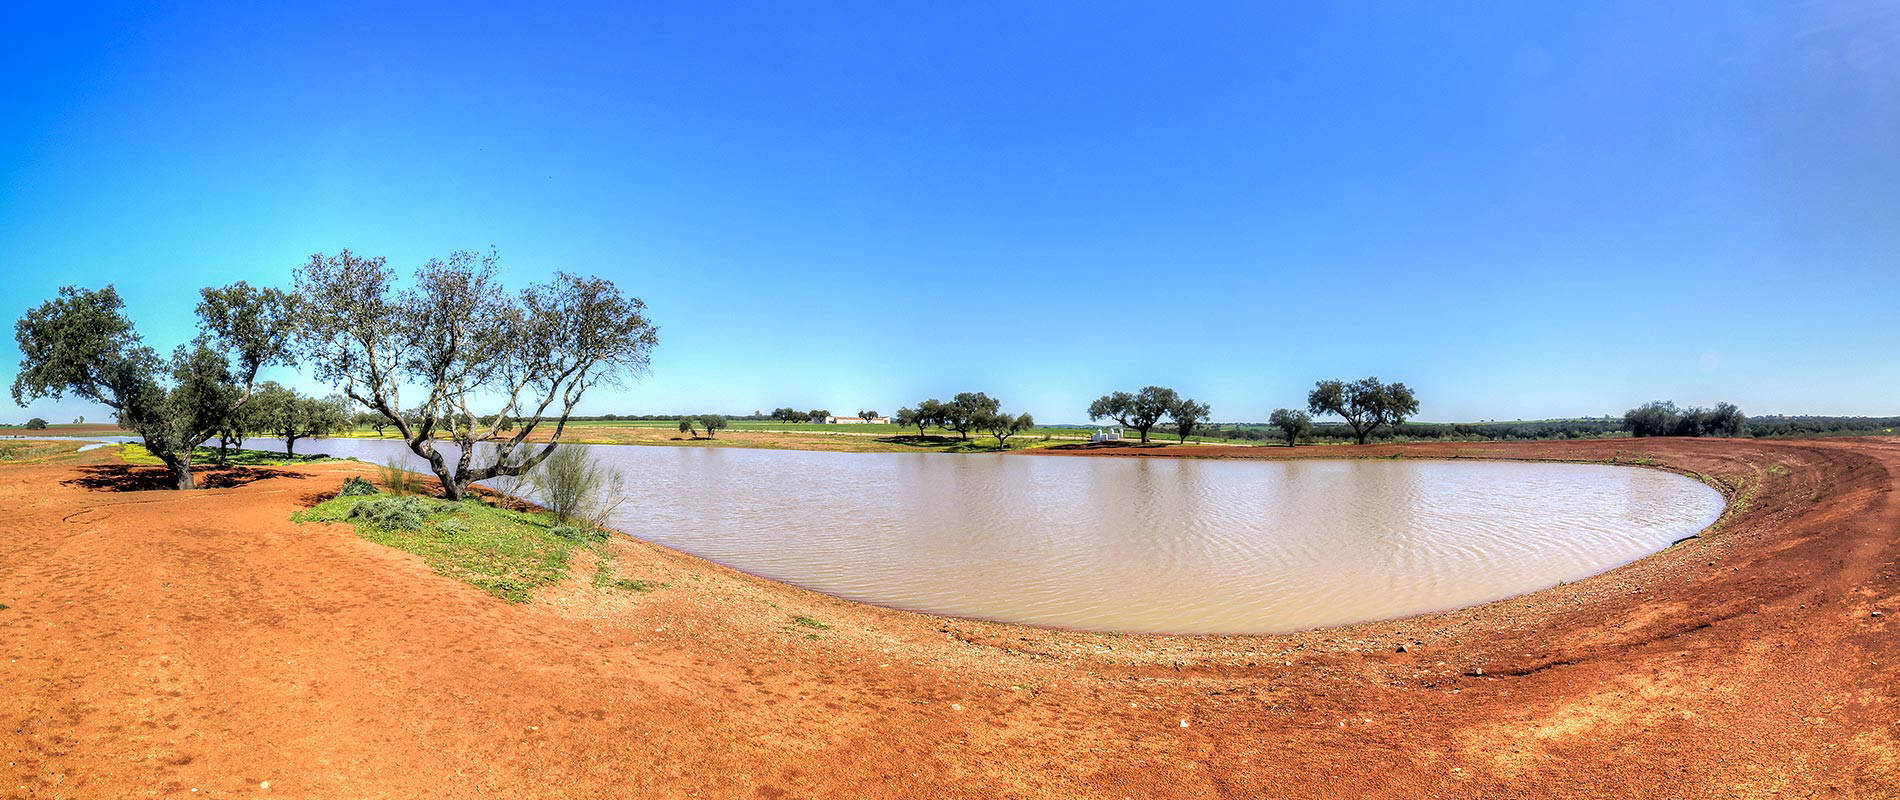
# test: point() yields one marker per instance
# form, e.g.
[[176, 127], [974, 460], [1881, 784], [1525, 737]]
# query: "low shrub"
[[397, 479], [571, 533], [577, 487], [395, 513], [357, 487]]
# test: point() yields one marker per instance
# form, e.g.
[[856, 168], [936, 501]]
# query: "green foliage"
[[135, 453], [1139, 411], [1777, 426], [396, 479], [1002, 426], [688, 426], [36, 424], [357, 487], [1186, 414], [926, 414], [810, 622], [531, 354], [1294, 425], [395, 513], [967, 412], [290, 415], [1662, 418], [1364, 404], [712, 423], [505, 553], [82, 342], [575, 486]]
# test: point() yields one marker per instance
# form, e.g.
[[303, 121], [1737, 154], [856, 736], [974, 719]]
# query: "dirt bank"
[[158, 642]]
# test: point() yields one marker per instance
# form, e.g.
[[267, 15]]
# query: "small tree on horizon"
[[290, 415], [1002, 426], [712, 423], [688, 426], [1186, 414], [1293, 425], [36, 424], [867, 416]]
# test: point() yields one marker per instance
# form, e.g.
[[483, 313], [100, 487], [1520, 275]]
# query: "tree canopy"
[[461, 341], [1364, 404], [1003, 425], [290, 415], [1139, 411], [82, 343], [1294, 425], [1662, 418], [926, 414], [1186, 414], [966, 412]]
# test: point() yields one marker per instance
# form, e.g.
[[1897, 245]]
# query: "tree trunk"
[[290, 445], [181, 470]]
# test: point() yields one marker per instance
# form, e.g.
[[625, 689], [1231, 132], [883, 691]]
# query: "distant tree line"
[[966, 412], [1662, 418]]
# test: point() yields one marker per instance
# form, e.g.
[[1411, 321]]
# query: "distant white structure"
[[1109, 435], [857, 421]]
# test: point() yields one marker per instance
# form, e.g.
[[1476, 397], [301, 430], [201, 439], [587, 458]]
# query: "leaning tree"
[[1364, 404], [459, 341], [81, 342], [1139, 411]]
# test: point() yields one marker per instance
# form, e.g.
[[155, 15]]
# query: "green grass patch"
[[1777, 469], [35, 451], [808, 622], [505, 553], [135, 453], [604, 575]]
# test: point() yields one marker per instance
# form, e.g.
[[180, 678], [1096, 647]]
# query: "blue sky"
[[1519, 210]]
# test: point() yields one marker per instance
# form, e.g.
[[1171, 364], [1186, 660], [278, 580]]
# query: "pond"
[[1144, 545]]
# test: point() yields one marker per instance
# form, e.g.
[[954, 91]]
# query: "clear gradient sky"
[[1520, 210]]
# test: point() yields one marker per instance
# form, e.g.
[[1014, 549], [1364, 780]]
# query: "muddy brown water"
[[1144, 545]]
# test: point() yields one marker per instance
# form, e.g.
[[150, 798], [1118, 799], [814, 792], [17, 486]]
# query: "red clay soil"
[[200, 644]]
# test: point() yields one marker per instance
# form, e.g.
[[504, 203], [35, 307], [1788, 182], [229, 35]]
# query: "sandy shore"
[[158, 642]]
